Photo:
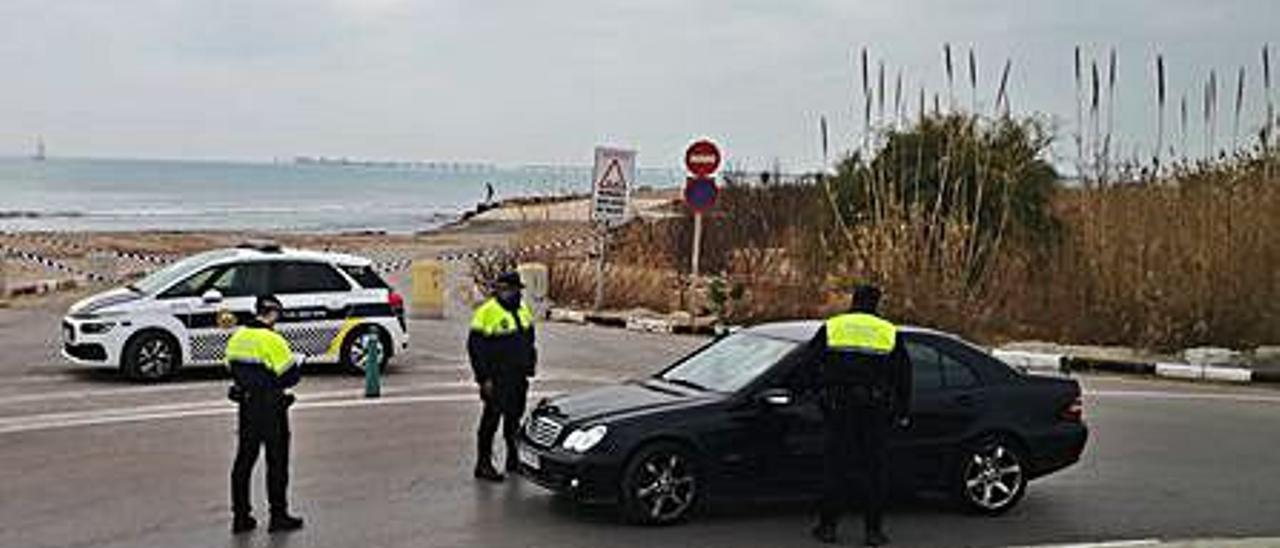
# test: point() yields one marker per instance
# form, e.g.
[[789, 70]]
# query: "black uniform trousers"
[[856, 453], [505, 404], [264, 421]]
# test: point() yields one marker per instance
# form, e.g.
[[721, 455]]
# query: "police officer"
[[866, 389], [263, 368], [503, 358]]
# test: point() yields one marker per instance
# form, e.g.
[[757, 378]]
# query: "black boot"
[[876, 537], [284, 522], [243, 524], [485, 471], [825, 532], [513, 464]]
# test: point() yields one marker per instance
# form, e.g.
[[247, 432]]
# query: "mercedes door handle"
[[966, 400]]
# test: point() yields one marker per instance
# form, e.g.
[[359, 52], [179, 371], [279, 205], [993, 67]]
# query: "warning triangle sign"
[[612, 178]]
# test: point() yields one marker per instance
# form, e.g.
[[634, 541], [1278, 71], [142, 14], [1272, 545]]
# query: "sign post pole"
[[697, 244], [604, 245]]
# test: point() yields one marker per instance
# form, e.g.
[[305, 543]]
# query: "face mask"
[[509, 297]]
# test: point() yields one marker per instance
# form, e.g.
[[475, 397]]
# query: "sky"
[[520, 82]]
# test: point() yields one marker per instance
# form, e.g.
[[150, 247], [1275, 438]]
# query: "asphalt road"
[[89, 460]]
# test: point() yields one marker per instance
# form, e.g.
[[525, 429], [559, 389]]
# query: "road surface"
[[90, 460]]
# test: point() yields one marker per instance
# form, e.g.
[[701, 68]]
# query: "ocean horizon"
[[306, 195]]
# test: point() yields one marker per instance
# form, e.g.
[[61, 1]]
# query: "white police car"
[[184, 314]]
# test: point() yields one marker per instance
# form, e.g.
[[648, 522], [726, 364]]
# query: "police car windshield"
[[163, 278], [730, 363]]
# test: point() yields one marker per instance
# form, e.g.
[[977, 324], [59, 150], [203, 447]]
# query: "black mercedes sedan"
[[739, 418]]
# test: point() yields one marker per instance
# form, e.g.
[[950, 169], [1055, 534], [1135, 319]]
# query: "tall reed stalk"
[[1160, 100], [1079, 104]]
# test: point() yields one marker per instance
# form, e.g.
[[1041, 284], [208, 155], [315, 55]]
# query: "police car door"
[[224, 302], [315, 298]]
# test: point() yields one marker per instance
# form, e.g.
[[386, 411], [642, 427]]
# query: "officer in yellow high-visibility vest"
[[503, 358], [263, 368], [866, 389]]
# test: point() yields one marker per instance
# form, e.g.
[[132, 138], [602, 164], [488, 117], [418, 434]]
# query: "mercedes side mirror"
[[776, 397], [212, 296]]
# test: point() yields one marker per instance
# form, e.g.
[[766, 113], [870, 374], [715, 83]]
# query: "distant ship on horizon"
[[40, 155]]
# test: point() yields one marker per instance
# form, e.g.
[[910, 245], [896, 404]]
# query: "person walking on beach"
[[503, 359], [866, 388], [263, 368], [488, 199]]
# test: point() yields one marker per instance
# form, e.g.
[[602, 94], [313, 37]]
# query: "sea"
[[306, 195]]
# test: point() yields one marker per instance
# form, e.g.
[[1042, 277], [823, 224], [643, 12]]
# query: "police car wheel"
[[355, 348], [991, 476], [660, 485], [151, 356]]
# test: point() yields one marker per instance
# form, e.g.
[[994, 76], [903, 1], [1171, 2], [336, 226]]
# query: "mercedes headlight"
[[583, 439]]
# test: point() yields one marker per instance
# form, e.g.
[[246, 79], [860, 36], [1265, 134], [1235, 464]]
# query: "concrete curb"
[[1045, 362], [1031, 362]]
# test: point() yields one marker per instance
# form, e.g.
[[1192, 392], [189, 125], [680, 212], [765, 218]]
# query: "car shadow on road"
[[729, 511]]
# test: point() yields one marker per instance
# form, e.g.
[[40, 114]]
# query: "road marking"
[[1152, 394], [332, 399], [208, 409], [349, 398], [104, 392], [218, 384], [1105, 544]]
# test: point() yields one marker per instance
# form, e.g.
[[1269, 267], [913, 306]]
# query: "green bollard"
[[372, 357]]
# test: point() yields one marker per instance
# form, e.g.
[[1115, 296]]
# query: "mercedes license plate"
[[528, 457]]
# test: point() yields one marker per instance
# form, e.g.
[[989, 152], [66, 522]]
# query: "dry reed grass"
[[1179, 254]]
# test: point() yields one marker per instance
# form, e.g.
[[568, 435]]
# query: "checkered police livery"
[[184, 313]]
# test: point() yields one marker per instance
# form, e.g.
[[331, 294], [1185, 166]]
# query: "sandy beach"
[[73, 255]]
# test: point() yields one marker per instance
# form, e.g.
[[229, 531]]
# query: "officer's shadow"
[[257, 540]]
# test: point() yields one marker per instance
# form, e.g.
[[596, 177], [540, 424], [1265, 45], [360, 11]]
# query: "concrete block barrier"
[[1032, 361], [1179, 371], [426, 300], [1228, 374], [651, 325], [567, 316], [537, 286]]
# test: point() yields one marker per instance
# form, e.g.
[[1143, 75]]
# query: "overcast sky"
[[544, 81]]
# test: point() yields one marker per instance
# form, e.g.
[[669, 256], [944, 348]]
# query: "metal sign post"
[[697, 243], [600, 251], [702, 159], [699, 195]]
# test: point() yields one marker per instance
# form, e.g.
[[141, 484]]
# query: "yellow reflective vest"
[[501, 343], [492, 320], [862, 333], [262, 346]]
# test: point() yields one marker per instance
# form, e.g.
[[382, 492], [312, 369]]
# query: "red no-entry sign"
[[702, 158]]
